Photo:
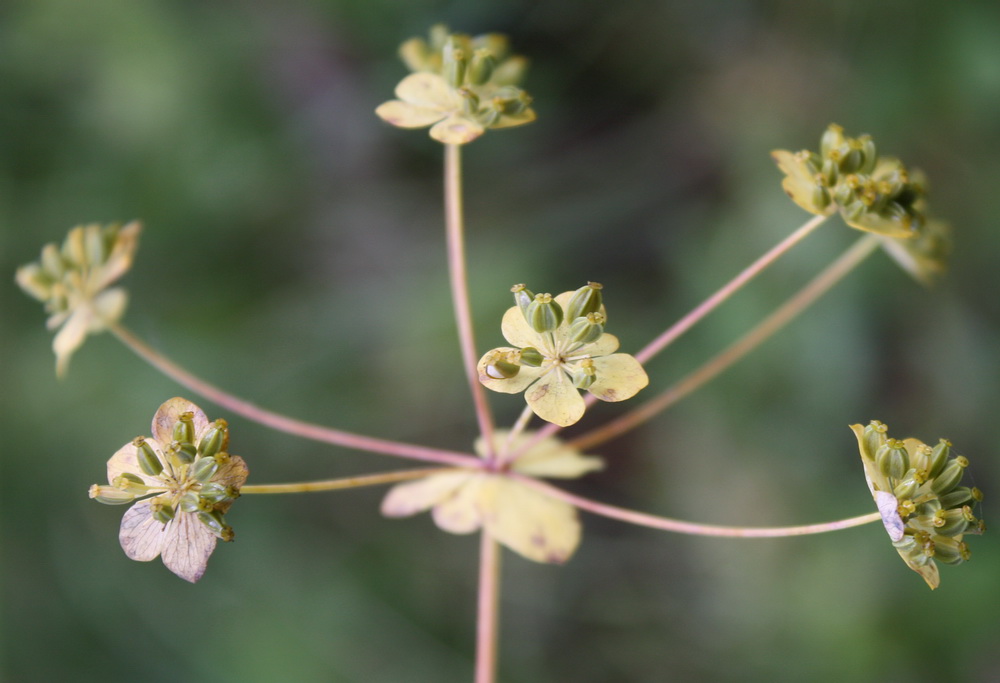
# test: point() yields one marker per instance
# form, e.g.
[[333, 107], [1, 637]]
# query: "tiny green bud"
[[587, 299], [454, 62], [510, 101], [907, 487], [951, 522], [110, 495], [832, 138], [204, 468], [821, 197], [544, 314], [874, 438], [950, 551], [892, 459], [52, 261], [828, 173], [162, 512], [148, 460], [183, 453], [531, 357], [215, 439], [216, 493], [481, 67], [585, 374], [74, 250], [587, 329], [216, 524], [869, 153], [184, 428], [949, 477], [522, 298], [956, 497], [938, 458], [499, 365]]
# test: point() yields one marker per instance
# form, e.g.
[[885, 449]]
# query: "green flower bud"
[[184, 428], [587, 299], [183, 453], [522, 298], [500, 365], [531, 357], [938, 458], [892, 459], [874, 438], [587, 329], [148, 460], [74, 250], [832, 138], [215, 439], [110, 495], [52, 261], [821, 197], [869, 153], [949, 477], [510, 101], [162, 512], [828, 173], [950, 551], [584, 375], [133, 483], [544, 314], [204, 469], [481, 67], [907, 486], [950, 522], [216, 524], [216, 493], [454, 62], [958, 496]]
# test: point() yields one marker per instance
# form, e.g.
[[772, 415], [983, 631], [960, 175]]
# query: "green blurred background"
[[293, 254]]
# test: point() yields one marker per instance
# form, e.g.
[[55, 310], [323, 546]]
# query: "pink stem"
[[488, 615], [286, 424]]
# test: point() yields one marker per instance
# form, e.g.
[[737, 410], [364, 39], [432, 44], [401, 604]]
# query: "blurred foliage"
[[293, 254]]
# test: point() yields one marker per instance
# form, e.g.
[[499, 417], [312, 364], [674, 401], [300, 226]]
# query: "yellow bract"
[[527, 521]]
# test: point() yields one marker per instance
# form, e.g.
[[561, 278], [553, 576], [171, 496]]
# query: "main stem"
[[454, 229], [488, 614], [306, 430]]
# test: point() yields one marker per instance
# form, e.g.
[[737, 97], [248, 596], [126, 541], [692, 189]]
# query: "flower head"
[[184, 481], [560, 347], [528, 522], [916, 488], [72, 281], [460, 87], [872, 193]]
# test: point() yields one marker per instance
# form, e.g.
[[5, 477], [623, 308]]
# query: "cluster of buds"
[[873, 193], [72, 282], [461, 86], [559, 347], [917, 490], [184, 479]]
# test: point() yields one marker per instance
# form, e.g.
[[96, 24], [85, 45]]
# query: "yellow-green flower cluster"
[[72, 281], [461, 86], [184, 480], [873, 193], [559, 346], [917, 490]]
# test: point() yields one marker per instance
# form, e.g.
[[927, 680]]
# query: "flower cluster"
[[184, 480], [873, 193], [560, 347], [461, 86], [527, 521], [72, 281], [916, 488]]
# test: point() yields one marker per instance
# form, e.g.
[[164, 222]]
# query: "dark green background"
[[293, 254]]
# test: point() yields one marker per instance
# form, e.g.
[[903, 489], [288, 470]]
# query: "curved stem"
[[306, 430], [727, 290], [488, 612], [818, 286], [454, 229], [691, 528], [345, 483]]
